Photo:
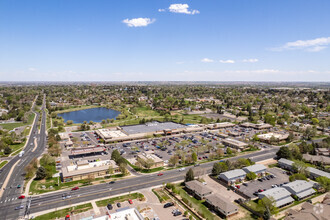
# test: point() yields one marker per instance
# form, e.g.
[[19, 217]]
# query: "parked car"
[[245, 184], [109, 206], [238, 186], [177, 213], [182, 169], [118, 205], [160, 174], [18, 186], [169, 204], [130, 201], [21, 197]]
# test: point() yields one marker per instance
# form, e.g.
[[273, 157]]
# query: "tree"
[[229, 151], [149, 163], [315, 121], [189, 175], [90, 178], [300, 167], [242, 162], [295, 151], [69, 122], [7, 150], [123, 169], [216, 169], [194, 157], [251, 176], [111, 170], [324, 182], [284, 152], [267, 204], [41, 173], [297, 176], [174, 160], [115, 155]]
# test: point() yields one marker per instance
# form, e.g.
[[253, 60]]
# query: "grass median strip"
[[123, 198], [3, 163], [63, 212]]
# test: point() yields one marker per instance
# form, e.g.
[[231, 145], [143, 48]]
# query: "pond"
[[92, 114]]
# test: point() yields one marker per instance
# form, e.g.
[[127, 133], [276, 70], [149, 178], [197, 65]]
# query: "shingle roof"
[[224, 205], [198, 187]]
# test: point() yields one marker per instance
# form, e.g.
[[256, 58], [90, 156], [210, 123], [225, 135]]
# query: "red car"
[[238, 187], [160, 174], [130, 201], [21, 197], [75, 188], [260, 190]]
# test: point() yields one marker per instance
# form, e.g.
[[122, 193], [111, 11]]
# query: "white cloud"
[[313, 45], [138, 22], [227, 61], [180, 8], [32, 69], [207, 60], [250, 60]]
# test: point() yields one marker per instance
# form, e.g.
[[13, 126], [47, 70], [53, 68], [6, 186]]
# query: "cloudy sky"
[[203, 40]]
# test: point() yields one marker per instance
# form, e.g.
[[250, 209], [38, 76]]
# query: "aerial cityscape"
[[157, 110]]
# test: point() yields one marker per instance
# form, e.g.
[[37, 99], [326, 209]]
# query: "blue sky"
[[130, 40]]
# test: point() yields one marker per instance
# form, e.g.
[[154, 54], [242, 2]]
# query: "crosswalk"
[[8, 200]]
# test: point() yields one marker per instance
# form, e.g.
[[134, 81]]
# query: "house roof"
[[317, 172], [218, 201], [286, 161], [233, 173], [255, 168], [198, 187], [306, 193], [298, 186], [277, 193]]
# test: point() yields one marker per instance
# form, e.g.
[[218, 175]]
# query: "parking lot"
[[280, 177]]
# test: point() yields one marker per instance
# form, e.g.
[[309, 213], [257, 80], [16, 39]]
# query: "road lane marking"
[[49, 203]]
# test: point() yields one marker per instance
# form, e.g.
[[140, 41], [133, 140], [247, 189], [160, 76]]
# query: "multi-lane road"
[[15, 168], [85, 194], [43, 202]]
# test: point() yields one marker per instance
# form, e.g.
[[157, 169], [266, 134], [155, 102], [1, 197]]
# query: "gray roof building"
[[281, 196], [232, 175], [221, 205], [256, 168], [300, 188], [313, 172]]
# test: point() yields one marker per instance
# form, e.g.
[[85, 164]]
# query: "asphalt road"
[[11, 192], [85, 194]]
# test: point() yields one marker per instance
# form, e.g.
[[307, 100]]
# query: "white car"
[[182, 169]]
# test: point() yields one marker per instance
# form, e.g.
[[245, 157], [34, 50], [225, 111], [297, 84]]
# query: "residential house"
[[300, 188], [317, 159], [198, 189], [258, 169], [221, 205], [281, 196], [232, 176]]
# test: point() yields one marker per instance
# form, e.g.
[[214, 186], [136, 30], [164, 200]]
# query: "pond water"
[[92, 114]]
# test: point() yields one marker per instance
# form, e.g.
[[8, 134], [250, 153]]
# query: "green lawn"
[[194, 203], [3, 163], [161, 195], [36, 185], [11, 126], [63, 212], [123, 198]]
